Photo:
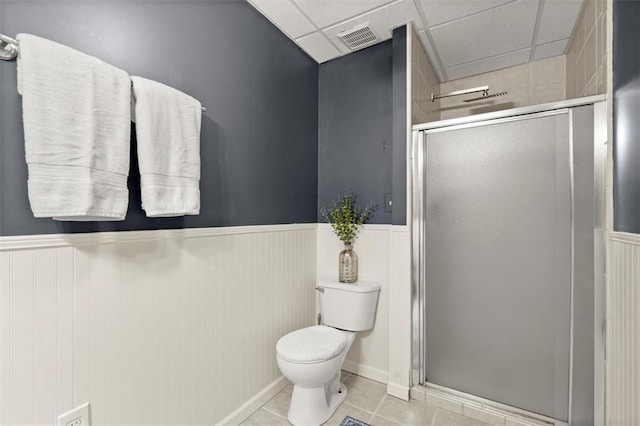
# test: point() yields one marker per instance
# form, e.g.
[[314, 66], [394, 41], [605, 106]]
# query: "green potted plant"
[[346, 219]]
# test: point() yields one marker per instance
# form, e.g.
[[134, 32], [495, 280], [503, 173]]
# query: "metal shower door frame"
[[418, 373]]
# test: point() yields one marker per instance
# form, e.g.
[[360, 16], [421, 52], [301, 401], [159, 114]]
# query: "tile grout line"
[[375, 412], [348, 404], [263, 406], [269, 411], [435, 414], [388, 419]]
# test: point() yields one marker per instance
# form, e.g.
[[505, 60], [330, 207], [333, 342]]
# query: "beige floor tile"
[[279, 404], [381, 421], [345, 374], [448, 418], [406, 413], [348, 410], [364, 393], [263, 417]]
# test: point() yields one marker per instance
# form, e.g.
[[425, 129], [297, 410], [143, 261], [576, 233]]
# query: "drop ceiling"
[[461, 37]]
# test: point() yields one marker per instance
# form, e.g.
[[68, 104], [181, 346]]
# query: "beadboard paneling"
[[173, 330], [623, 336], [369, 355], [400, 319]]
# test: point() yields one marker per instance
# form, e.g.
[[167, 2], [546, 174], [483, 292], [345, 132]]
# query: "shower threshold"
[[479, 408]]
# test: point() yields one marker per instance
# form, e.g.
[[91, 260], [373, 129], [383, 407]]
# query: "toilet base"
[[309, 406]]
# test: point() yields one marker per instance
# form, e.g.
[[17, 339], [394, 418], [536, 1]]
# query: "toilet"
[[311, 358]]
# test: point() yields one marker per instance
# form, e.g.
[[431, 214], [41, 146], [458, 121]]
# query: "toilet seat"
[[311, 345]]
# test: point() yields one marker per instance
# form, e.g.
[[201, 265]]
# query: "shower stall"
[[508, 259]]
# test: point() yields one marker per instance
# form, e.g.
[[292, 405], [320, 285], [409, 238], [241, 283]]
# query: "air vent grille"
[[358, 37]]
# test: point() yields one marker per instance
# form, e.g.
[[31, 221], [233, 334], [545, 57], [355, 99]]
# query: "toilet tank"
[[348, 306]]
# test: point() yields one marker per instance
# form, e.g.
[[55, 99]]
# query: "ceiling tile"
[[554, 48], [489, 64], [429, 49], [318, 47], [440, 11], [329, 12], [464, 37], [558, 19], [493, 32], [285, 16], [382, 21]]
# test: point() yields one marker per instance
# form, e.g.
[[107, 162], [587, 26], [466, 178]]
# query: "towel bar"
[[10, 47]]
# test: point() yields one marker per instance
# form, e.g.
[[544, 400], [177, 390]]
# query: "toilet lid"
[[312, 344]]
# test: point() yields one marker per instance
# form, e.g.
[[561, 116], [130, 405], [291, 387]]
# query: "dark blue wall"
[[354, 128], [259, 134], [626, 115], [362, 128]]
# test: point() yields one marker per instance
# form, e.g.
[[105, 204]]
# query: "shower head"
[[485, 95], [482, 89]]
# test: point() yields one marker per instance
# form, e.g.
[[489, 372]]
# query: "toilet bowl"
[[312, 357]]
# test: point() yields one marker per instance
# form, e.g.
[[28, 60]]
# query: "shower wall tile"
[[517, 79], [546, 94], [532, 83], [589, 15], [424, 81], [587, 52]]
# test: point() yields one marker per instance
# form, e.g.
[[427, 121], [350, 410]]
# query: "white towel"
[[168, 135], [76, 113]]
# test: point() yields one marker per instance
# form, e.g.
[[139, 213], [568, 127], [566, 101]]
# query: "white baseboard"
[[258, 400], [366, 371], [398, 391]]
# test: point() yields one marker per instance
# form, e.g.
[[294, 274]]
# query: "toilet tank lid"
[[357, 287]]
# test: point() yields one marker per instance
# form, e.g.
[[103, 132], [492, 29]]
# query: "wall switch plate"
[[79, 416], [388, 203]]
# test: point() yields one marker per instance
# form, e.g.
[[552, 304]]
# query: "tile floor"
[[366, 401]]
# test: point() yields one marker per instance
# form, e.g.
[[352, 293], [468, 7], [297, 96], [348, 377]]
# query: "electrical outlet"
[[79, 416]]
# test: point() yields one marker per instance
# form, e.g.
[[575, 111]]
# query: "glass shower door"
[[498, 256]]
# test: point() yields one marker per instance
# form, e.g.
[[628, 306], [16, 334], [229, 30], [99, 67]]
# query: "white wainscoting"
[[150, 327], [400, 306], [623, 330], [369, 355]]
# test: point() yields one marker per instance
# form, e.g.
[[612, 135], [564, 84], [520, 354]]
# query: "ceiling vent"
[[358, 36]]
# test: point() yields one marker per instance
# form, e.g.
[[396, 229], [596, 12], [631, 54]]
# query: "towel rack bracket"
[[9, 48]]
